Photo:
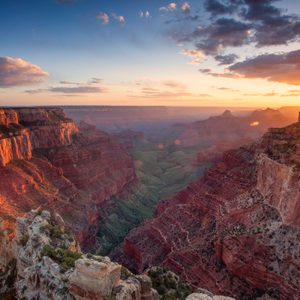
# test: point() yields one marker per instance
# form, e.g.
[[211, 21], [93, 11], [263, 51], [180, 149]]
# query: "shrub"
[[64, 257], [125, 273]]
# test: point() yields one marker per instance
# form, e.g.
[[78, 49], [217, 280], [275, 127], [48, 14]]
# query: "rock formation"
[[49, 265], [47, 161], [236, 230]]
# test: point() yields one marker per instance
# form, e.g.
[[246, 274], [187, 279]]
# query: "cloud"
[[36, 91], [271, 25], [284, 68], [174, 84], [76, 90], [144, 14], [68, 82], [197, 55], [223, 75], [69, 90], [236, 23], [95, 80], [212, 39], [291, 93], [120, 19], [103, 17], [170, 7], [164, 89], [18, 72], [226, 59], [223, 88], [70, 87], [185, 6], [216, 7]]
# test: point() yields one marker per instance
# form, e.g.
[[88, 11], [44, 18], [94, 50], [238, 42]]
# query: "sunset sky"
[[150, 52]]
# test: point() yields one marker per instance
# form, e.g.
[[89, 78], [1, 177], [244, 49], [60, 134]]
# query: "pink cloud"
[[18, 72], [103, 17]]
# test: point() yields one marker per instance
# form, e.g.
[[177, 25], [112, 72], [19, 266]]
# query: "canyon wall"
[[47, 160], [235, 231]]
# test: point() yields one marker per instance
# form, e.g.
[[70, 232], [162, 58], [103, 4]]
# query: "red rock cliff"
[[24, 129], [236, 230], [47, 161]]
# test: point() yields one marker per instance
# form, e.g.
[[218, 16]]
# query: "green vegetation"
[[125, 273], [168, 285], [161, 174], [64, 257], [54, 231]]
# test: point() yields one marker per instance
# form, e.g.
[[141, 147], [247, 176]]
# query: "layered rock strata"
[[47, 161], [236, 230]]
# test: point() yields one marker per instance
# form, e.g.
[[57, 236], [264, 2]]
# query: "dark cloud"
[[226, 59], [271, 25], [18, 72], [283, 68], [222, 33], [216, 7], [235, 23]]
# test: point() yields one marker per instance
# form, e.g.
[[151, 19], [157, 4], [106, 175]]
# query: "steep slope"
[[235, 231], [48, 161]]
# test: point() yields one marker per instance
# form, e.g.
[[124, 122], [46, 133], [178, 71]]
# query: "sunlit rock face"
[[47, 161], [235, 231], [25, 129]]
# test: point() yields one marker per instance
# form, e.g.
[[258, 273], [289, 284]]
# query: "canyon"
[[46, 160], [169, 159], [235, 231], [167, 201]]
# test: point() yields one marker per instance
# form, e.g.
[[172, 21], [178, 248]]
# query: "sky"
[[235, 53]]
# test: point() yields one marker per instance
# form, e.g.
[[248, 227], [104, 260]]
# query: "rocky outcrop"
[[50, 265], [202, 294], [235, 230], [92, 279], [47, 161]]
